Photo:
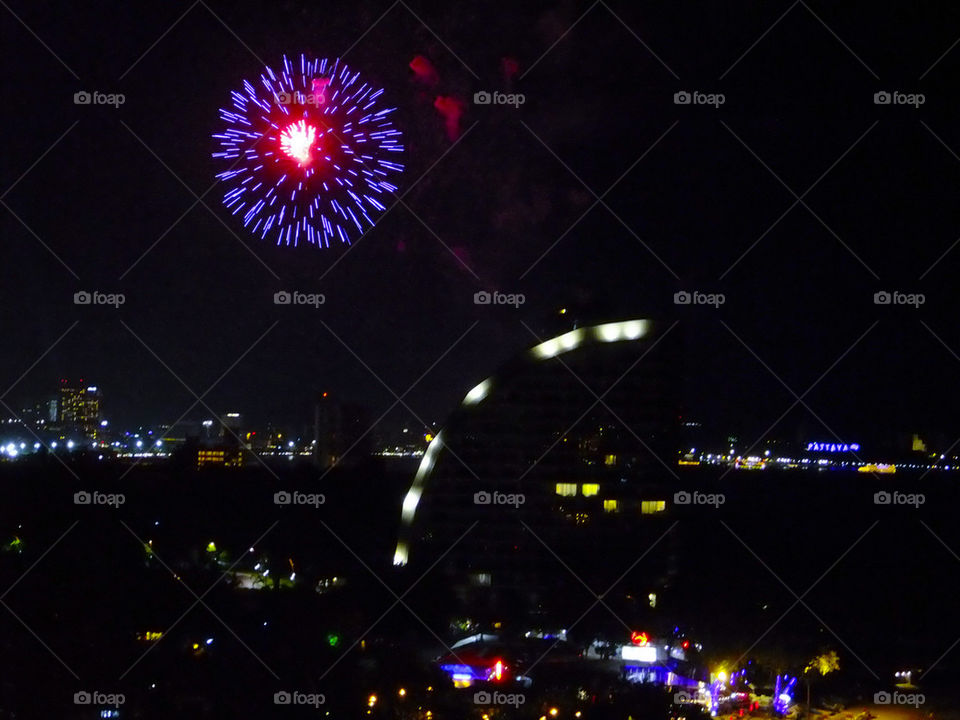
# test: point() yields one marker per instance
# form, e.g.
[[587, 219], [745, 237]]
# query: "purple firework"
[[310, 153]]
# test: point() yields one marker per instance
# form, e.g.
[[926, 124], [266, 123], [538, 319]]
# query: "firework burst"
[[310, 153]]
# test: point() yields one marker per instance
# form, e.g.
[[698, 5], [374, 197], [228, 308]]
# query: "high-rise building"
[[79, 407], [231, 429], [566, 451], [341, 432]]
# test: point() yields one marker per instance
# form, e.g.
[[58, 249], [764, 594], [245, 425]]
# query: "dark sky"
[[798, 100]]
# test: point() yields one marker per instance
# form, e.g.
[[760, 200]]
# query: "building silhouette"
[[556, 468]]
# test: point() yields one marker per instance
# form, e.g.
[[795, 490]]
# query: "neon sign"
[[832, 447]]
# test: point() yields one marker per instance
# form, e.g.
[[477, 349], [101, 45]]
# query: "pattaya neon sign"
[[832, 447]]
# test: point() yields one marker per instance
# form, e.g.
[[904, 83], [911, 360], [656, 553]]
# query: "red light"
[[496, 672], [639, 638], [297, 141], [685, 644]]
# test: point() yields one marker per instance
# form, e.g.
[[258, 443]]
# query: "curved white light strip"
[[479, 392], [608, 332], [412, 498], [615, 332], [410, 503], [560, 344]]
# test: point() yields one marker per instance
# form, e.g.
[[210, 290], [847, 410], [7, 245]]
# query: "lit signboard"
[[639, 653], [832, 447]]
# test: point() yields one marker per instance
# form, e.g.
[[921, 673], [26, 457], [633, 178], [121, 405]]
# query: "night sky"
[[701, 200]]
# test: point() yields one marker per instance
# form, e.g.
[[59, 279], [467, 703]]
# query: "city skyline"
[[575, 359], [425, 279]]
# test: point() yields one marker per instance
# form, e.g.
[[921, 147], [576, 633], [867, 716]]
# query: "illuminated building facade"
[[561, 454], [227, 457], [79, 407]]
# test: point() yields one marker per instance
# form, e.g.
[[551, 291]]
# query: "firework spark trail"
[[328, 155]]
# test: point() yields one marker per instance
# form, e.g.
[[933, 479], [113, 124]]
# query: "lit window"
[[610, 460], [567, 489], [610, 505], [650, 507], [589, 489]]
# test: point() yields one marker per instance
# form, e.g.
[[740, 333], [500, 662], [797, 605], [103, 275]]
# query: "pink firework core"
[[297, 140]]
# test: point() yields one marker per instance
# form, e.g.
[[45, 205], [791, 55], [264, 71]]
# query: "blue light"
[[458, 672], [783, 694], [832, 447]]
